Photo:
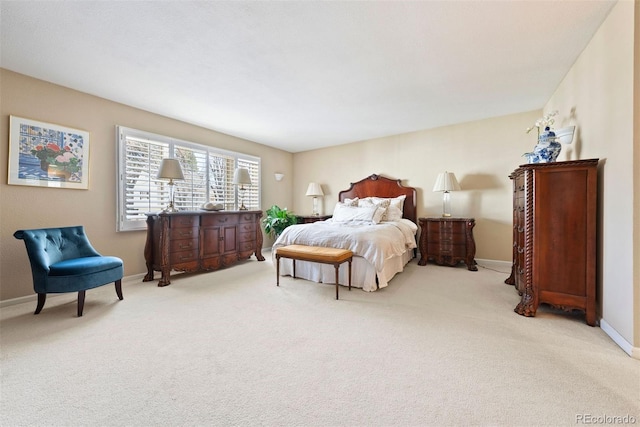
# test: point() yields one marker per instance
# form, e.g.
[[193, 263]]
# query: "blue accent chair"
[[62, 260]]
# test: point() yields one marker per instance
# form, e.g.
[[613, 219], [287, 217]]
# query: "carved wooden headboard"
[[379, 186]]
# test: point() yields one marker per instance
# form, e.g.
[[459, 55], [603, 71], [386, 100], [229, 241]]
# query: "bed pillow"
[[374, 201], [350, 202], [357, 214], [398, 202], [392, 214]]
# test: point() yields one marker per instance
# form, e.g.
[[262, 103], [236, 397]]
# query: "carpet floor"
[[440, 346]]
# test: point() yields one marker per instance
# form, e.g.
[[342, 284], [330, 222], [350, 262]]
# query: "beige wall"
[[597, 96], [482, 154], [35, 207]]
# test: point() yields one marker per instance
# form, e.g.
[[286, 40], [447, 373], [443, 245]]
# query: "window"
[[208, 176]]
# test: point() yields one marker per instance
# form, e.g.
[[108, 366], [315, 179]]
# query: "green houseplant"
[[277, 220]]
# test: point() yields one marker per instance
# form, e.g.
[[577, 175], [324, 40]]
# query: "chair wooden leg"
[[80, 302], [119, 289], [41, 299]]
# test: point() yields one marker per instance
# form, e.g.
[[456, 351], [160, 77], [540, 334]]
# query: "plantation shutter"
[[221, 168], [208, 176], [191, 192], [143, 192], [252, 192]]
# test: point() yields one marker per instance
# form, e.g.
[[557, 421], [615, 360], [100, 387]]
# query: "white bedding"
[[386, 247]]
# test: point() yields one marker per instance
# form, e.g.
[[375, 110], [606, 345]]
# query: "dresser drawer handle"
[[186, 233], [183, 246], [223, 219]]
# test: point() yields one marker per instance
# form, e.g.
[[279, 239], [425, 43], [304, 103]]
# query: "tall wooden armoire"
[[554, 236]]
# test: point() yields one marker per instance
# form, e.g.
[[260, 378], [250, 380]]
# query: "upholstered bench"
[[314, 254]]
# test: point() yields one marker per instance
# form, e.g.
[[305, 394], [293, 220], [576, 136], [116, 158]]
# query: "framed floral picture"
[[47, 155]]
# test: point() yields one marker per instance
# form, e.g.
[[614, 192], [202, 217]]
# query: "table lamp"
[[241, 177], [315, 190], [170, 169], [446, 183]]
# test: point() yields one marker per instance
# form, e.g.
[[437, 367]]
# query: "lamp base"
[[169, 209], [242, 207], [446, 215]]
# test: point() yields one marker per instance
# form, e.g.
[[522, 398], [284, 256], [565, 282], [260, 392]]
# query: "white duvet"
[[374, 242]]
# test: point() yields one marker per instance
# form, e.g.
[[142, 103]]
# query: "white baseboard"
[[619, 339], [32, 298]]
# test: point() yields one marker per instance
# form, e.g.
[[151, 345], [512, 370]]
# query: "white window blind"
[[208, 176]]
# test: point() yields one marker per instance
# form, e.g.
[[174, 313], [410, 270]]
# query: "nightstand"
[[308, 219], [447, 241]]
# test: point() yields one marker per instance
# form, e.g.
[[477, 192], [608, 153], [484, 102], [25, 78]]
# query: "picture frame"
[[47, 155]]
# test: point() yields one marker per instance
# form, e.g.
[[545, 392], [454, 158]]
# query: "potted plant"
[[277, 220]]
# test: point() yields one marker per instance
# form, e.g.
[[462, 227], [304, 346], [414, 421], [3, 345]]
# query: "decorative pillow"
[[392, 214], [351, 202], [395, 201], [375, 201], [370, 214]]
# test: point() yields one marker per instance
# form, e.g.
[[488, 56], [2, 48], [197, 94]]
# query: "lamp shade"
[[314, 190], [241, 176], [170, 169], [446, 182]]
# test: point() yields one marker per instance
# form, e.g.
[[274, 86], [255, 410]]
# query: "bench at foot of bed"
[[314, 254]]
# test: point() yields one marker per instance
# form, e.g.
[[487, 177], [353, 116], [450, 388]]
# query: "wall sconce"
[[315, 190], [170, 169], [446, 182], [241, 177], [278, 176]]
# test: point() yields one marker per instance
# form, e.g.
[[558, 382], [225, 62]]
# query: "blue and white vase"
[[546, 150]]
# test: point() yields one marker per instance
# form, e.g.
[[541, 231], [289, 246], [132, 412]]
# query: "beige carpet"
[[439, 346]]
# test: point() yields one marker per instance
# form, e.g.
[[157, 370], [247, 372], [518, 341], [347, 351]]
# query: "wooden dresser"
[[554, 236], [199, 241], [447, 241]]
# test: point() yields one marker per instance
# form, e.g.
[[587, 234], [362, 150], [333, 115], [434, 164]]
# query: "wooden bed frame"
[[379, 186]]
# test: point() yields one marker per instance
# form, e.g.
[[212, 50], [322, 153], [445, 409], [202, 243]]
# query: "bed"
[[382, 243]]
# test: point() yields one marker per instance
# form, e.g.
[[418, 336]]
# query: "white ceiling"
[[299, 75]]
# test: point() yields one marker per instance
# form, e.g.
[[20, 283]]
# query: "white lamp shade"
[[446, 182], [314, 190], [241, 176], [170, 169]]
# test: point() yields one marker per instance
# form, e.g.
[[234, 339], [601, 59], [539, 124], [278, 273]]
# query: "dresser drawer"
[[177, 245], [183, 233], [247, 217], [183, 221], [218, 220], [448, 249], [183, 256], [247, 227], [247, 236]]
